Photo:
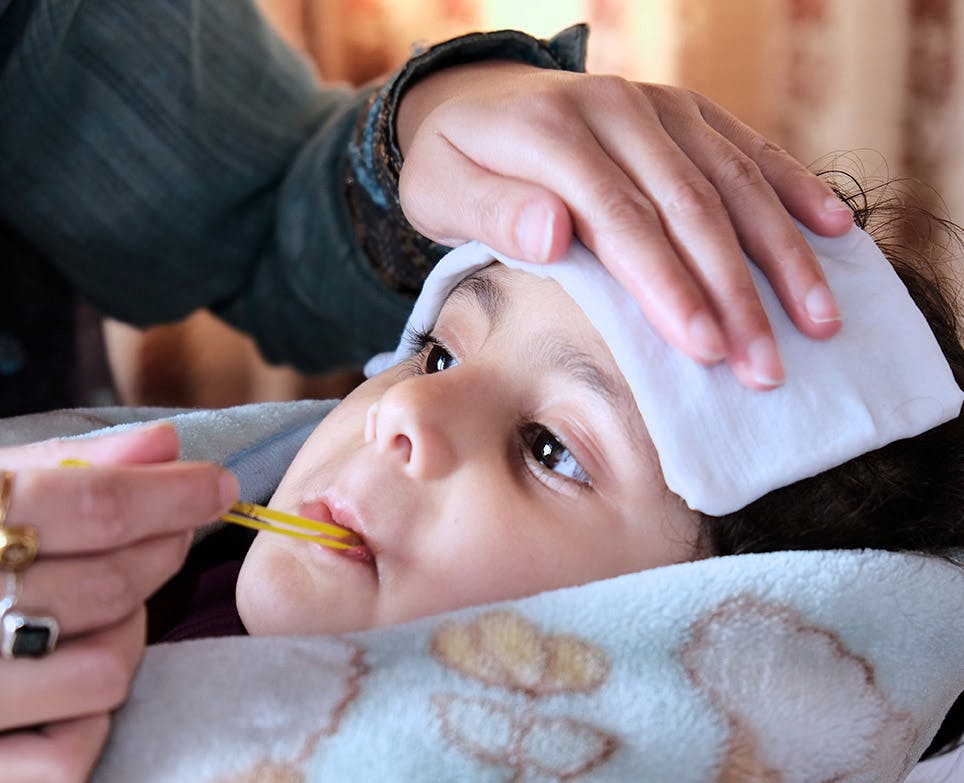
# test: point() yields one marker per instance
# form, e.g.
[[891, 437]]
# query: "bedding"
[[788, 666]]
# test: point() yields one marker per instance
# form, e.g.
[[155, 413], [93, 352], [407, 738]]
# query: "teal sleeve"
[[169, 156]]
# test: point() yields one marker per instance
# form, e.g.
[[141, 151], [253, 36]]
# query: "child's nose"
[[416, 423]]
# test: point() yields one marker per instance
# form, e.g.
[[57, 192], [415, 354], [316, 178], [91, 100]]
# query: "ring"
[[6, 489], [18, 545], [24, 636]]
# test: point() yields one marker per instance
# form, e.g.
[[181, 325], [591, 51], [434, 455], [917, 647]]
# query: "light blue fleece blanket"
[[802, 666]]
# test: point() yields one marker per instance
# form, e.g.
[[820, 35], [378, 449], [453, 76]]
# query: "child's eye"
[[438, 359], [430, 355], [549, 452]]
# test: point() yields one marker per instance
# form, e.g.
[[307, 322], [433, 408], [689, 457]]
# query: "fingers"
[[664, 187], [612, 215], [54, 716], [805, 195], [96, 591], [705, 245], [83, 676], [153, 443], [518, 218], [762, 223], [110, 535], [98, 508], [59, 753]]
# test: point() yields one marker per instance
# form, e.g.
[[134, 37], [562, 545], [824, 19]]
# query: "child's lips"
[[320, 511], [360, 552]]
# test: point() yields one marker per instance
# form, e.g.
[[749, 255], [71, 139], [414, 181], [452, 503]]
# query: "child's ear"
[[152, 443]]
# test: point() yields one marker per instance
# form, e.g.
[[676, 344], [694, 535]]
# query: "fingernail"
[[820, 305], [706, 338], [834, 204], [535, 233], [227, 488], [765, 364]]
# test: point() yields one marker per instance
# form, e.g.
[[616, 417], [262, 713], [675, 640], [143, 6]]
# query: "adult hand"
[[663, 185], [109, 535]]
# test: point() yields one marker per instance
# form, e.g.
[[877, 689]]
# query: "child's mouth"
[[359, 551]]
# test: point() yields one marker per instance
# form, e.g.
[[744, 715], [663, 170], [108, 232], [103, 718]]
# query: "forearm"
[[177, 155], [154, 153]]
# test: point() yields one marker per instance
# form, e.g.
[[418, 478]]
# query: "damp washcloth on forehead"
[[720, 445]]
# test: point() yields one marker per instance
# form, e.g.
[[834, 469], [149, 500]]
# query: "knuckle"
[[691, 198], [101, 510], [624, 212], [491, 212], [761, 146], [738, 173], [747, 310], [615, 88], [111, 592], [57, 766], [544, 115], [673, 98], [109, 676]]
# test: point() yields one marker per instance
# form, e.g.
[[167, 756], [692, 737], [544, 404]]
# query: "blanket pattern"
[[720, 671]]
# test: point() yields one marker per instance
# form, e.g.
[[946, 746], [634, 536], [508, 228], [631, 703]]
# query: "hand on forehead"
[[720, 444]]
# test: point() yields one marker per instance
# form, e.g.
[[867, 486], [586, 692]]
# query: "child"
[[512, 448], [504, 453]]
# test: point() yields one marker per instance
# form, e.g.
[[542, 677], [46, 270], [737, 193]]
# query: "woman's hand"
[[109, 536], [664, 186]]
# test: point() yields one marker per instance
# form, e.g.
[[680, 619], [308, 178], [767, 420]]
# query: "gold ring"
[[18, 547], [6, 489]]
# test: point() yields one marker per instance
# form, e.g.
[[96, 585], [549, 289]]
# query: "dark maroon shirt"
[[198, 602]]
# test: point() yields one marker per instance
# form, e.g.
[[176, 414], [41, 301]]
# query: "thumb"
[[515, 217], [153, 443]]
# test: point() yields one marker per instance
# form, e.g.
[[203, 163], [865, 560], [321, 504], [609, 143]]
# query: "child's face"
[[506, 458]]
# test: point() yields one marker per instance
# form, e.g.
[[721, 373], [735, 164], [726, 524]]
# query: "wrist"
[[440, 70], [433, 90]]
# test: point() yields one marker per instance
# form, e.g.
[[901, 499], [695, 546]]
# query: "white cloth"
[[721, 445]]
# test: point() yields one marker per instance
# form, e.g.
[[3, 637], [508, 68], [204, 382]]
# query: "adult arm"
[[132, 161], [177, 155]]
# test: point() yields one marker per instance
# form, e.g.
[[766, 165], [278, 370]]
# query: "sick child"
[[530, 432]]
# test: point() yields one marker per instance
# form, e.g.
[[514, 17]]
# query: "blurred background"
[[881, 81]]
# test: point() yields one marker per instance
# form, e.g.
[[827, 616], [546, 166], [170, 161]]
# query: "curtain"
[[877, 79]]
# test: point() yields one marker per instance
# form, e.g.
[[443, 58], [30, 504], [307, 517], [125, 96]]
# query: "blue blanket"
[[796, 666]]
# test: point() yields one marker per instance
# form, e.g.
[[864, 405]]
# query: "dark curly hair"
[[907, 496]]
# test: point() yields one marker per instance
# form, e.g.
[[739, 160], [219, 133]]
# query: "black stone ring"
[[24, 636]]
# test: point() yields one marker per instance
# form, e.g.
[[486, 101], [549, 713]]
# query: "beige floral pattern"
[[803, 683], [344, 660], [504, 650]]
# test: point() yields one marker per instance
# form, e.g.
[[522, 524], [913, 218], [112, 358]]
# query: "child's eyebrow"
[[486, 292]]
